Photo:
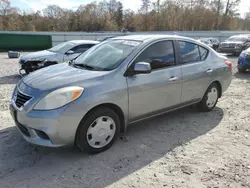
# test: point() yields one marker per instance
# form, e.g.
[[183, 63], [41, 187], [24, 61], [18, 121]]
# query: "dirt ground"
[[185, 148]]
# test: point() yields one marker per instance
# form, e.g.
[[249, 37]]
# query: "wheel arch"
[[219, 86], [112, 106]]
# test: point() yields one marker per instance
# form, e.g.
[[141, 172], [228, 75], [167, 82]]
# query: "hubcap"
[[212, 97], [101, 132]]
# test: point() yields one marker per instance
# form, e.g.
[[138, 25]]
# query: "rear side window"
[[189, 52], [203, 53], [159, 55]]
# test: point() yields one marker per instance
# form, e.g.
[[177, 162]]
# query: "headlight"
[[59, 98]]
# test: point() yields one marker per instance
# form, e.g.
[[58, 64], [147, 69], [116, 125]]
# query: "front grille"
[[231, 45], [228, 45], [21, 99]]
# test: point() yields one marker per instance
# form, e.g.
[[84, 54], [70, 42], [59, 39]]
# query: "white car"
[[65, 51], [207, 42]]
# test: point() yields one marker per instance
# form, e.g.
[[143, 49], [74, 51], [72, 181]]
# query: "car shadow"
[[145, 143], [243, 76], [12, 79]]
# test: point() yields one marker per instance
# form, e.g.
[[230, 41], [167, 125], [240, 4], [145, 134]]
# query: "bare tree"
[[145, 8]]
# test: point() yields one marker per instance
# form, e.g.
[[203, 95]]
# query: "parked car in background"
[[206, 41], [215, 43], [60, 53], [91, 100], [244, 61], [235, 44]]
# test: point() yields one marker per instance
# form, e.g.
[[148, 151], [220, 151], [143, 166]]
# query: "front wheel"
[[210, 98], [98, 131]]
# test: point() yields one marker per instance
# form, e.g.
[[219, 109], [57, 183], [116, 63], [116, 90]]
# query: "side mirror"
[[142, 68], [70, 52]]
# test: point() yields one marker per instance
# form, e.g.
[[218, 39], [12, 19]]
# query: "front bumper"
[[229, 50], [52, 128], [243, 62]]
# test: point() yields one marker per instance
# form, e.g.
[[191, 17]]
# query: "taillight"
[[228, 63]]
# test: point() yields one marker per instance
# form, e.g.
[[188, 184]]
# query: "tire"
[[205, 105], [241, 70], [87, 141]]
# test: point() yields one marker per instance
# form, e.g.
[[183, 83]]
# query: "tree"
[[145, 11], [108, 15], [247, 21], [230, 11], [119, 15], [129, 16]]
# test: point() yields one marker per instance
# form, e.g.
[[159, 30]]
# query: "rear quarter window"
[[203, 53]]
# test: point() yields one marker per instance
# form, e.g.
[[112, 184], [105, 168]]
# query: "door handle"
[[173, 78], [209, 70]]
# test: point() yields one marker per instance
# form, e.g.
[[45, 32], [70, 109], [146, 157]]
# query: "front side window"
[[159, 55], [81, 48], [189, 52], [107, 55]]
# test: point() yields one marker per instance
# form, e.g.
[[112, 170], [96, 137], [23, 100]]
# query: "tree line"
[[110, 15]]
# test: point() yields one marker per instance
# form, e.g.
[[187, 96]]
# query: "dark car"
[[235, 44], [60, 53]]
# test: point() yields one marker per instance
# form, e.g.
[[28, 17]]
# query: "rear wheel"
[[98, 131], [210, 98]]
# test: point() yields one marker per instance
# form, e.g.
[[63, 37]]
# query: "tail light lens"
[[228, 63]]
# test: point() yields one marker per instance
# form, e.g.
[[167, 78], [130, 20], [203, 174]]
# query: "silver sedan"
[[118, 82]]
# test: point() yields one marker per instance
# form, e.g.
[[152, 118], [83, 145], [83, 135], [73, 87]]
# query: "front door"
[[159, 90]]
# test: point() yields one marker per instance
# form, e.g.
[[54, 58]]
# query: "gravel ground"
[[185, 148]]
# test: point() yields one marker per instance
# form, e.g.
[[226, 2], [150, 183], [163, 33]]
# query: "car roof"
[[151, 37], [240, 36], [84, 41]]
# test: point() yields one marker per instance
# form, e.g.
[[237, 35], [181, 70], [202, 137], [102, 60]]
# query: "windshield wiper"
[[89, 67]]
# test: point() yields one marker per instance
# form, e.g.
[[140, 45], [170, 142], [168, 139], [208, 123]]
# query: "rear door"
[[195, 69], [152, 93]]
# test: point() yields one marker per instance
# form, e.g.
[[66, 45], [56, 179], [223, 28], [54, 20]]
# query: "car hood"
[[39, 55], [61, 75]]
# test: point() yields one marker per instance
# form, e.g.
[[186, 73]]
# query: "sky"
[[34, 5]]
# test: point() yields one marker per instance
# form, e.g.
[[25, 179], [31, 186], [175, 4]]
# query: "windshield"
[[62, 48], [237, 39], [107, 55]]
